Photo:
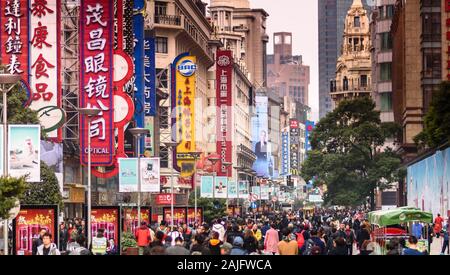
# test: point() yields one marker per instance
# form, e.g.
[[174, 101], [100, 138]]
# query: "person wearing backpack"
[[313, 241], [300, 237]]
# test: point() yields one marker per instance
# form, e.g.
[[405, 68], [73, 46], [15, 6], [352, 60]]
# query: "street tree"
[[11, 189], [212, 208], [349, 154]]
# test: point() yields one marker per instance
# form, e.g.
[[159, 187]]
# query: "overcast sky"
[[300, 18]]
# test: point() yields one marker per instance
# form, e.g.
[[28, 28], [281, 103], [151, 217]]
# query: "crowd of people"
[[326, 232]]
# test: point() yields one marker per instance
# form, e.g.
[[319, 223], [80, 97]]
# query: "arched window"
[[345, 83]]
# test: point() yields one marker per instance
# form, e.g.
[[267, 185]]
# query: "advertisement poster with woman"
[[232, 190], [29, 222], [106, 218], [179, 213], [24, 151], [128, 178], [150, 175], [206, 187], [220, 187]]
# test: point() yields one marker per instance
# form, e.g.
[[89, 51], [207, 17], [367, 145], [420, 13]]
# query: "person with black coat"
[[250, 242], [340, 247], [363, 235], [63, 237], [38, 242]]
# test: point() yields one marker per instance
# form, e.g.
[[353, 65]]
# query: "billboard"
[[52, 155], [184, 70], [207, 187], [224, 72], [243, 188], [107, 218], [130, 218], [220, 187], [309, 127], [285, 151], [138, 58], [24, 151], [232, 190], [1, 149], [179, 213], [128, 175], [294, 132], [27, 224], [96, 76], [260, 135], [264, 192], [428, 183], [44, 58], [192, 218], [149, 75]]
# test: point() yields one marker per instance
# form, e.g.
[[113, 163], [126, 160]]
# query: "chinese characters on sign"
[[285, 152], [96, 79], [149, 76], [44, 60], [294, 141], [14, 35], [224, 105]]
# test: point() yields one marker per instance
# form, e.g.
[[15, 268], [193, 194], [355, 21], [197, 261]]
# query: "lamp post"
[[5, 80], [196, 156], [89, 113], [214, 160], [238, 170], [138, 133], [226, 165], [171, 146]]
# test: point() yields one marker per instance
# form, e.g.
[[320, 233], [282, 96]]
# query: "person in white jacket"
[[218, 227], [47, 248]]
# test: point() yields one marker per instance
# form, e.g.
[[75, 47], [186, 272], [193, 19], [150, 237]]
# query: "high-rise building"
[[331, 18], [286, 74]]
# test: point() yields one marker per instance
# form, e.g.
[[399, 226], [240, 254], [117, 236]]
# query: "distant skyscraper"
[[332, 14]]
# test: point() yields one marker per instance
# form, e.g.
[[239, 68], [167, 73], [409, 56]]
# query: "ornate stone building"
[[353, 68]]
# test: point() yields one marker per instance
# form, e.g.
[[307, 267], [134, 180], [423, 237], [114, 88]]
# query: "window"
[[432, 63], [288, 40], [385, 71], [363, 80], [389, 11], [161, 78], [386, 41], [381, 12], [161, 45], [163, 117], [431, 27], [160, 8], [278, 39], [164, 157], [356, 22], [386, 102]]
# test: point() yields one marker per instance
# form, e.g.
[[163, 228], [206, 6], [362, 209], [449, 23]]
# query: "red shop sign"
[[164, 199]]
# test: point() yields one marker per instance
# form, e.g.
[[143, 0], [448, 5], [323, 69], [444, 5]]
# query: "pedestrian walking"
[[445, 245], [38, 241], [271, 240], [99, 243], [143, 237], [178, 249], [63, 237], [215, 243], [47, 247], [287, 246], [438, 225]]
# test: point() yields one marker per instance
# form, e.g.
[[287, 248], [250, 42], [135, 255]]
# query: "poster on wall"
[[179, 213], [107, 218], [52, 155], [191, 218], [207, 187], [128, 175], [294, 138], [260, 136], [232, 190], [220, 187], [309, 127], [130, 218], [285, 151], [24, 151], [27, 224]]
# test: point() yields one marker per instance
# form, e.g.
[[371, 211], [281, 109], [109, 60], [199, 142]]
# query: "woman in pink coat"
[[271, 240]]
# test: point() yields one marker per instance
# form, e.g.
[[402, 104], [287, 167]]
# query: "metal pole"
[[171, 190], [5, 163], [195, 198], [89, 229], [139, 179]]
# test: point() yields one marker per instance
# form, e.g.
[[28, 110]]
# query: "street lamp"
[[171, 146], [226, 165], [196, 156], [5, 80], [214, 159], [89, 113], [238, 169], [138, 133]]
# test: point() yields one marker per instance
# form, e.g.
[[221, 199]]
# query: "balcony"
[[351, 89], [170, 20]]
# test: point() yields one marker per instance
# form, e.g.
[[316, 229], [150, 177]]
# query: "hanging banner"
[[243, 189], [130, 218], [207, 187], [220, 187], [150, 175], [224, 72], [1, 149], [260, 136], [294, 134], [183, 104], [96, 76], [264, 192], [52, 154], [24, 152], [28, 223], [150, 74], [309, 127], [192, 218], [107, 218], [128, 175], [232, 190], [14, 36], [44, 64], [164, 199], [179, 213], [256, 192], [150, 138], [285, 151]]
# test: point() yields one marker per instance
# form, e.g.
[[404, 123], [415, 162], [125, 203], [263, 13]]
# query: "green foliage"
[[17, 114], [127, 240], [10, 190], [437, 120], [347, 153], [212, 208], [45, 192]]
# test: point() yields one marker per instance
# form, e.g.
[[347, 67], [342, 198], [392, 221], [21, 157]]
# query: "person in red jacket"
[[143, 237], [438, 225]]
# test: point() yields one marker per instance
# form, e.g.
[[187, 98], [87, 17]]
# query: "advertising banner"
[[260, 135], [243, 189], [128, 175], [150, 175], [232, 190], [139, 82], [14, 36], [184, 69], [24, 152], [52, 155], [150, 138], [27, 224], [130, 218], [149, 75], [294, 132], [107, 218], [164, 199], [207, 187], [256, 191], [96, 77], [220, 187], [44, 56], [179, 213], [192, 218], [1, 149], [224, 73], [285, 151], [309, 127], [264, 192]]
